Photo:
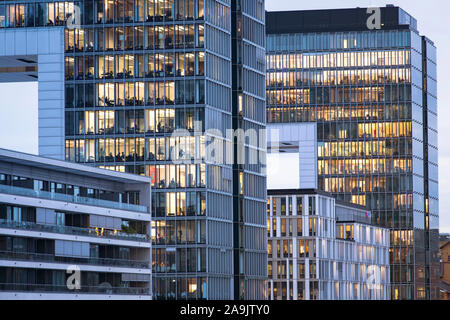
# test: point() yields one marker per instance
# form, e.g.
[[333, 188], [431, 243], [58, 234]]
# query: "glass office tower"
[[373, 95], [249, 180], [136, 71]]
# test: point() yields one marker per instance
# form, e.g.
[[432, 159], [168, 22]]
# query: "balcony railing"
[[71, 199], [64, 289], [73, 230], [42, 257]]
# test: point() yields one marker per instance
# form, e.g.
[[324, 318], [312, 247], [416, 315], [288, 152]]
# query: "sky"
[[18, 101]]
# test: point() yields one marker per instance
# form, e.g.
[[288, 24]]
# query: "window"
[[299, 227], [312, 227], [299, 206], [283, 227], [241, 183], [283, 206], [312, 206]]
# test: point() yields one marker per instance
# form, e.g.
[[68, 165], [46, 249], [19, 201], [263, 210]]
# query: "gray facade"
[[39, 53]]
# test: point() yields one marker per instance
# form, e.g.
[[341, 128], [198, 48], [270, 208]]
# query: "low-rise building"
[[444, 245], [69, 231], [322, 249]]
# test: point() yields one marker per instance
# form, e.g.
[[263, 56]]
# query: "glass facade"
[[373, 96], [136, 71], [249, 180]]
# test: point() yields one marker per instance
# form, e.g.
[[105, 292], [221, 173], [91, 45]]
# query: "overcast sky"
[[18, 102]]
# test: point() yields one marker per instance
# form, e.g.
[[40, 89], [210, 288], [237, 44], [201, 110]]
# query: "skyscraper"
[[371, 89], [132, 86]]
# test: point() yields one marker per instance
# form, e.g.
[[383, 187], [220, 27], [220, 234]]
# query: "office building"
[[319, 248], [371, 90], [323, 249], [69, 231], [132, 86]]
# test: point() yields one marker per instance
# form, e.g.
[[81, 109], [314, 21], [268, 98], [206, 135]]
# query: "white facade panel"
[[296, 166], [48, 45]]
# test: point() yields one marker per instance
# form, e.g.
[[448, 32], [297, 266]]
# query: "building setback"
[[373, 96], [114, 85], [69, 231]]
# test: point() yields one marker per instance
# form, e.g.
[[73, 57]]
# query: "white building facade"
[[69, 231], [322, 250]]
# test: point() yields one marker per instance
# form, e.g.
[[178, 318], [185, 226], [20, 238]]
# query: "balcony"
[[74, 231], [41, 257], [102, 289], [71, 199]]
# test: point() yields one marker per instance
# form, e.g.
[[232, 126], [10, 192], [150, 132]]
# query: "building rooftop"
[[286, 192], [31, 160], [345, 211], [335, 20]]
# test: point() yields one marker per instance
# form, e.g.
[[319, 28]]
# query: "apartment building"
[[69, 231]]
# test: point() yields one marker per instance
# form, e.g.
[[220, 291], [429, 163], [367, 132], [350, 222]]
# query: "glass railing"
[[74, 230], [42, 257], [102, 289], [69, 198]]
